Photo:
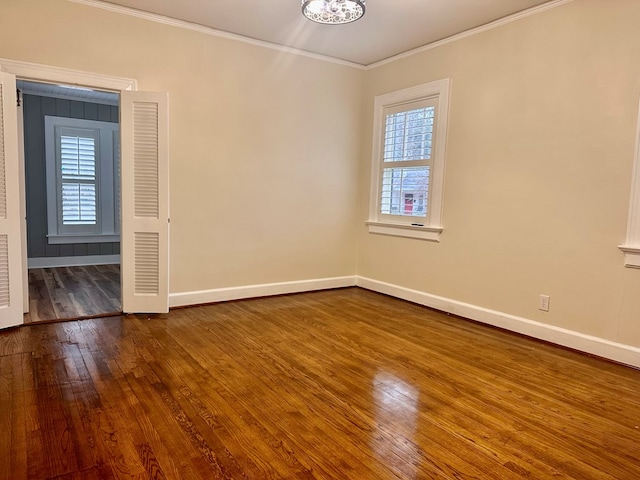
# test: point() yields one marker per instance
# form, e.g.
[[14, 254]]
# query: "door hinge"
[[18, 96]]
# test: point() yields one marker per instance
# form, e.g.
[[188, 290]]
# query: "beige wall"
[[263, 145], [539, 161], [270, 156]]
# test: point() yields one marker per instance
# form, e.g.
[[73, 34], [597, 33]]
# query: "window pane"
[[77, 158], [404, 191], [78, 204], [409, 135]]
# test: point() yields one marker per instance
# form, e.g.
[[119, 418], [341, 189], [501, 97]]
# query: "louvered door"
[[10, 241], [145, 202]]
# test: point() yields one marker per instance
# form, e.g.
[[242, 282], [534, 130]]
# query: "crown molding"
[[295, 51], [153, 17], [474, 31]]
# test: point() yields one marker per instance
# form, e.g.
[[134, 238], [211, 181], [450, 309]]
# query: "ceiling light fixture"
[[333, 12]]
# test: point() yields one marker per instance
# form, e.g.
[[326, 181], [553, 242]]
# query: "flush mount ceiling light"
[[333, 12]]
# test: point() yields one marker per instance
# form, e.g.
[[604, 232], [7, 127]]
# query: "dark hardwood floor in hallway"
[[73, 292], [340, 384]]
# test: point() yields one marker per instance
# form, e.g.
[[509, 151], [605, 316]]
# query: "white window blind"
[[78, 186], [408, 134], [406, 159], [408, 140]]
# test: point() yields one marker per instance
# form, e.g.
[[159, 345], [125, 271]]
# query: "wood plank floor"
[[73, 292], [340, 384]]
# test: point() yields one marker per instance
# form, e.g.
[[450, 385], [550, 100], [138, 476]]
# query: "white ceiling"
[[67, 92], [389, 27]]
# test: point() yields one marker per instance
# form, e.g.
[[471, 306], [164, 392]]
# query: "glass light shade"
[[333, 12]]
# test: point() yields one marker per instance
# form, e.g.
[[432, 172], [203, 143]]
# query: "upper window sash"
[[409, 132]]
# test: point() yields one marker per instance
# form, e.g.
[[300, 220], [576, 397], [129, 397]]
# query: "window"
[[82, 180], [408, 161], [631, 248], [76, 170]]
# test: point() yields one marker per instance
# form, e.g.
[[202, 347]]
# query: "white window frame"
[[429, 228], [107, 228], [631, 248]]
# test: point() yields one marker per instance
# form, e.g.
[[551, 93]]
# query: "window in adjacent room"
[[82, 180], [408, 161]]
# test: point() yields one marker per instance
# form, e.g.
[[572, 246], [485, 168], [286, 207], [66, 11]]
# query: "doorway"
[[72, 185], [144, 118]]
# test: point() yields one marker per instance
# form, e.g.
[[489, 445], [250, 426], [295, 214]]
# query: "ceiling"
[[389, 27], [67, 92]]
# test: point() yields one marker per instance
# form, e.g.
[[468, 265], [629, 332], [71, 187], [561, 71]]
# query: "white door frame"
[[49, 74], [23, 206]]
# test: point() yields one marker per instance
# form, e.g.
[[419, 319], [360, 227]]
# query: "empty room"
[[344, 239]]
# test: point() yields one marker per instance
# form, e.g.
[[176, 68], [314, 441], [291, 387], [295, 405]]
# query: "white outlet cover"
[[544, 303]]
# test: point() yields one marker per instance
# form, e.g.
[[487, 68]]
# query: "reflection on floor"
[[73, 292], [338, 384]]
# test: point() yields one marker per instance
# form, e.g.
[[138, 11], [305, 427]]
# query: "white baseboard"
[[263, 290], [618, 352], [52, 262]]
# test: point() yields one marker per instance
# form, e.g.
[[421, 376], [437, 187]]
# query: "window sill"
[[631, 255], [431, 234], [62, 239]]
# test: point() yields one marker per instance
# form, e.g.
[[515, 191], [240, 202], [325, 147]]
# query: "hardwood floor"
[[340, 384], [73, 292]]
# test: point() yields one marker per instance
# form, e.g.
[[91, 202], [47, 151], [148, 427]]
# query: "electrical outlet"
[[544, 303]]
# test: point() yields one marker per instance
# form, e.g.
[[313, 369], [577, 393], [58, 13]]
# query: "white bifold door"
[[10, 239], [144, 239]]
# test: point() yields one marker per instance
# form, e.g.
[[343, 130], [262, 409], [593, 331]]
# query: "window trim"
[[106, 135], [631, 248], [414, 227]]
